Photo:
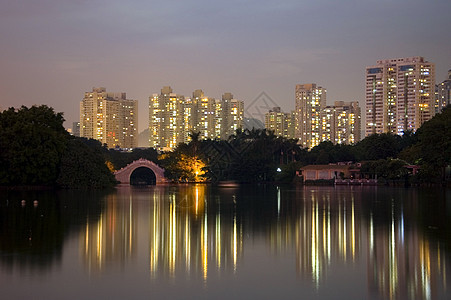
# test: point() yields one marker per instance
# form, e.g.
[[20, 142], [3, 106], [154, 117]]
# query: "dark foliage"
[[32, 141], [121, 159], [83, 166]]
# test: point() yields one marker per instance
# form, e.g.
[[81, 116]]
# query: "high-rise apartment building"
[[166, 119], [232, 113], [443, 94], [399, 95], [275, 121], [172, 118], [310, 100], [109, 117], [282, 124], [205, 115], [347, 122], [341, 123], [76, 128]]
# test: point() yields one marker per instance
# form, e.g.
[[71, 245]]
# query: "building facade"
[[76, 128], [345, 123], [282, 124], [399, 95], [443, 94], [110, 118], [205, 115], [232, 114], [172, 118], [166, 119], [310, 101]]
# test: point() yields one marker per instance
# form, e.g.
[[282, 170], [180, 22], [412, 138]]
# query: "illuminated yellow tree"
[[191, 168], [110, 166]]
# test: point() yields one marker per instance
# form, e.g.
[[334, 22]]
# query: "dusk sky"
[[52, 51]]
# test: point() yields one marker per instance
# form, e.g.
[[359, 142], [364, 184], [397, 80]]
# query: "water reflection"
[[326, 231], [35, 224], [185, 238], [111, 238], [398, 240]]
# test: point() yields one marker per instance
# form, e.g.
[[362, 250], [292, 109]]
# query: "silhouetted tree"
[[83, 166], [32, 141]]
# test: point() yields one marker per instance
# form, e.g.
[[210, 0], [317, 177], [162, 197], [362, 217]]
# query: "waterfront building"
[[172, 118], [166, 119], [189, 118], [290, 120], [205, 115], [347, 122], [232, 113], [110, 118], [399, 95], [328, 117], [443, 94], [252, 123], [310, 101], [275, 121], [76, 128], [280, 123]]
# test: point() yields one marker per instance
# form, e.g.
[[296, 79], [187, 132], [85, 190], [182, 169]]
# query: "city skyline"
[[244, 47]]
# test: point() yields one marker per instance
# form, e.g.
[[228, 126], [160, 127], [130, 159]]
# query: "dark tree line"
[[259, 155], [247, 156], [36, 150]]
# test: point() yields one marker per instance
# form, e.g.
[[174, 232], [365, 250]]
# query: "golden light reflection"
[[189, 233], [190, 240], [218, 245], [235, 244], [112, 237], [326, 230], [204, 249]]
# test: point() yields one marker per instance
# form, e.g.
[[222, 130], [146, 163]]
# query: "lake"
[[236, 242]]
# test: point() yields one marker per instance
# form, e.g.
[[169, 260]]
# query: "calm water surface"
[[200, 241]]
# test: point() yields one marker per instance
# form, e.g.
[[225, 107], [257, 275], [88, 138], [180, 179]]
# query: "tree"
[[433, 149], [378, 146], [32, 141], [120, 159], [389, 169], [83, 166]]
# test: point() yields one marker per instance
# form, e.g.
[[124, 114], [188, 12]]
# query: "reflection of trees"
[[32, 234], [401, 235], [403, 261], [324, 226], [403, 238]]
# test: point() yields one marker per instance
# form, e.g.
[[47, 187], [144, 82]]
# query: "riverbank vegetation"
[[36, 150], [259, 156]]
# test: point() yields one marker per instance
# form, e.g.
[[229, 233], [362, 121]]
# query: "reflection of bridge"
[[123, 175]]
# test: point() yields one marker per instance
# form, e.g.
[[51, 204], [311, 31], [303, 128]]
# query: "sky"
[[53, 51]]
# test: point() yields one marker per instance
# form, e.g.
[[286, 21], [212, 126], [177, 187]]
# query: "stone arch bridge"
[[123, 175]]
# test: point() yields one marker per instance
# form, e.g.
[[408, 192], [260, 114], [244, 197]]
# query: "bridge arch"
[[123, 175]]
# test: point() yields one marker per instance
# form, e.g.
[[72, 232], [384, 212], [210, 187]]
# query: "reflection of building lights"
[[235, 243], [204, 239], [218, 240], [173, 237], [328, 232], [187, 244], [371, 235], [353, 230], [344, 231], [197, 199]]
